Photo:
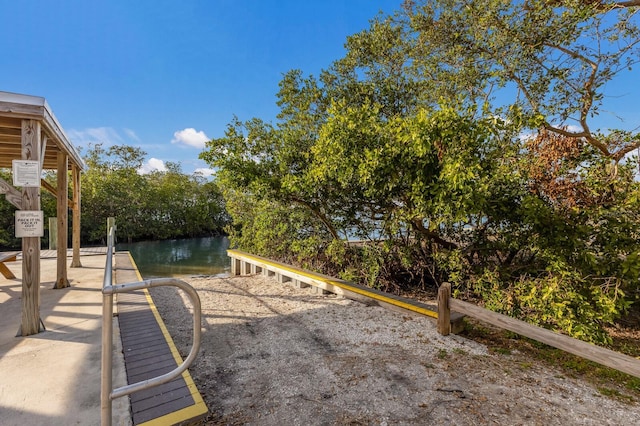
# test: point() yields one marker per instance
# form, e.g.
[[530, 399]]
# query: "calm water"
[[174, 258]]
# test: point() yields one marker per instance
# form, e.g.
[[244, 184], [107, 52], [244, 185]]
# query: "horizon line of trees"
[[159, 205]]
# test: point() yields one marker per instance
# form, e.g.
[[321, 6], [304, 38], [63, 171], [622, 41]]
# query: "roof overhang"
[[16, 107]]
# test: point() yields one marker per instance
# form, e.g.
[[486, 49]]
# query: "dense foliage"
[[455, 139], [159, 205]]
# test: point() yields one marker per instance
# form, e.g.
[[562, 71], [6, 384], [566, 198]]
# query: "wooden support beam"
[[54, 191], [282, 278], [62, 280], [11, 194], [75, 217], [7, 257], [235, 266], [43, 149], [300, 284], [31, 321]]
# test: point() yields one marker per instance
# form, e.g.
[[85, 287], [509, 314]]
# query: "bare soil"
[[272, 354]]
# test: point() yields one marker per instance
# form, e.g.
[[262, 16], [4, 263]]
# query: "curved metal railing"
[[108, 394]]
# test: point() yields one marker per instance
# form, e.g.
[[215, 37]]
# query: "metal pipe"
[[195, 301], [107, 337]]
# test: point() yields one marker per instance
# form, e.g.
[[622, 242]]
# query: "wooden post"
[[30, 324], [444, 312], [233, 266], [111, 222], [300, 284], [62, 280], [75, 218], [53, 233]]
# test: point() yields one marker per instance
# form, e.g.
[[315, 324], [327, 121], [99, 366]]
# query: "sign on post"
[[26, 173], [29, 223]]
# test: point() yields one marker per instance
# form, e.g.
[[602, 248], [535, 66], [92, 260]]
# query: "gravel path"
[[275, 355]]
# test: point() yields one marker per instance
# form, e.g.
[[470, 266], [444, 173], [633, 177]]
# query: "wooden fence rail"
[[606, 357], [244, 263], [449, 312]]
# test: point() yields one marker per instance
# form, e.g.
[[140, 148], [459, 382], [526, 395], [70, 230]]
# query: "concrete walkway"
[[53, 378]]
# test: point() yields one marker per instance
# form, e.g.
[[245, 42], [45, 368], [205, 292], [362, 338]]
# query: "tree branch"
[[419, 227], [317, 213]]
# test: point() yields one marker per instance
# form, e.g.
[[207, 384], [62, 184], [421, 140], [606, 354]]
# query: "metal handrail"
[[108, 394]]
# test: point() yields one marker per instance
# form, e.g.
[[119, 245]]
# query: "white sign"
[[29, 223], [26, 173]]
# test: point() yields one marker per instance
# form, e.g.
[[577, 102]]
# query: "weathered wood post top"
[[32, 140]]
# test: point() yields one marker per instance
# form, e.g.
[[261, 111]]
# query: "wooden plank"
[[30, 245], [75, 217], [62, 280], [11, 194], [23, 111], [7, 257], [6, 272], [10, 123], [15, 132], [347, 289], [603, 356]]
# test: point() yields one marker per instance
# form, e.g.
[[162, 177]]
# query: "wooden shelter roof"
[[13, 109]]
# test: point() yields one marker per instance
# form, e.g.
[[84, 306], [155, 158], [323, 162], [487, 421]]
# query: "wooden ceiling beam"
[[10, 123]]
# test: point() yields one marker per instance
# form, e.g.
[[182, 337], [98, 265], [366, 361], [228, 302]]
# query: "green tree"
[[159, 205], [414, 141], [553, 59]]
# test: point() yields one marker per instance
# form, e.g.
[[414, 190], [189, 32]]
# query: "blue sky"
[[168, 75]]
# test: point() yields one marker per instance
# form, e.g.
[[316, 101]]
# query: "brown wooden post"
[[62, 280], [30, 245], [75, 233], [53, 233], [444, 312]]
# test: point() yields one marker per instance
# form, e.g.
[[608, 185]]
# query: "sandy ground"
[[275, 355]]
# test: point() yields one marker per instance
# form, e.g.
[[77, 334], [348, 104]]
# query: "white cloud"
[[204, 172], [575, 129], [190, 137], [132, 135], [107, 136], [152, 165]]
